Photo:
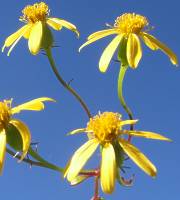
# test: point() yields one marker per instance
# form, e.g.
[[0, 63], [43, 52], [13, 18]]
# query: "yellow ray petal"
[[66, 24], [28, 31], [25, 134], [139, 158], [79, 130], [108, 169], [35, 105], [134, 51], [108, 53], [162, 47], [12, 38], [146, 134], [56, 26], [148, 43], [15, 37], [103, 32], [35, 38], [80, 158], [79, 179], [128, 122], [97, 37], [2, 149]]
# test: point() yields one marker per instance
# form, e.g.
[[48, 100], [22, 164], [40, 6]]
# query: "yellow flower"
[[6, 120], [129, 28], [36, 31], [106, 131]]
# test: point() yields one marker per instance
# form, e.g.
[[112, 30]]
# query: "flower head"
[[7, 121], [106, 130], [36, 31], [129, 28]]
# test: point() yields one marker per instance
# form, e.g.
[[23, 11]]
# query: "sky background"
[[152, 92]]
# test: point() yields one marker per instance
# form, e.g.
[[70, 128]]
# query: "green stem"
[[122, 73], [41, 162], [65, 85], [47, 164]]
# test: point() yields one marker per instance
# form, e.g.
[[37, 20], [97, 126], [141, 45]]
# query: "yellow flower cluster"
[[105, 130]]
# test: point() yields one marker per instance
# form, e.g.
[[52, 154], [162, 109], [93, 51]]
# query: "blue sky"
[[152, 91]]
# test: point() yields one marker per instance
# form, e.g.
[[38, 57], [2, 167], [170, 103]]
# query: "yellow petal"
[[134, 51], [162, 47], [151, 45], [108, 53], [35, 105], [128, 122], [98, 35], [56, 26], [35, 38], [12, 38], [108, 169], [79, 179], [79, 130], [15, 37], [80, 158], [139, 158], [25, 135], [66, 24], [28, 31], [2, 149], [146, 134], [102, 32]]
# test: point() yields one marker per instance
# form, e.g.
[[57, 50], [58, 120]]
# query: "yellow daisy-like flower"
[[106, 130], [129, 28], [6, 120], [36, 30]]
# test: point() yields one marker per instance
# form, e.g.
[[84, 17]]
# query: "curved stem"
[[65, 85], [41, 163], [122, 73]]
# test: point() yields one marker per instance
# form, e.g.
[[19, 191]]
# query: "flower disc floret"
[[130, 23], [105, 126], [35, 12]]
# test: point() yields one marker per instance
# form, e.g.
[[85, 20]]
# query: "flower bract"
[[107, 131], [129, 29], [36, 29]]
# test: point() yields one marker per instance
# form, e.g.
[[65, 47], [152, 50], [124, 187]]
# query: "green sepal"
[[14, 139], [122, 57], [119, 153], [47, 37]]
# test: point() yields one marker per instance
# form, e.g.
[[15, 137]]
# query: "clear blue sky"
[[152, 91]]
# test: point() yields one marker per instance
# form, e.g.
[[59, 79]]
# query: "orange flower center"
[[105, 127], [35, 12], [5, 114], [130, 23]]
